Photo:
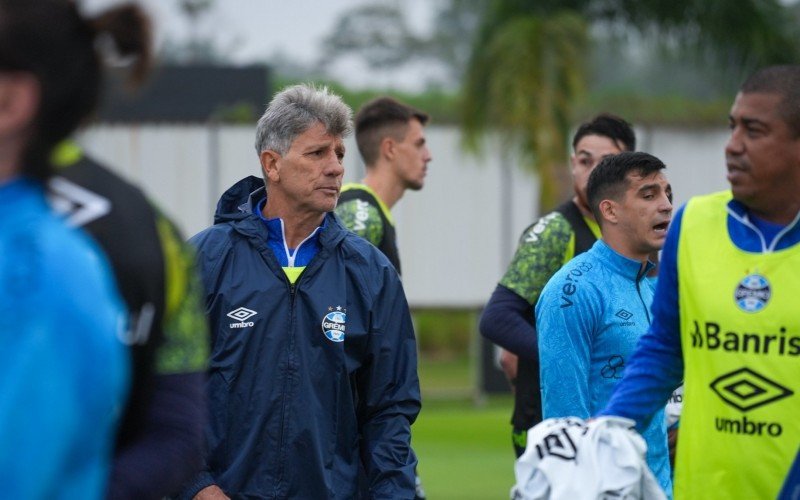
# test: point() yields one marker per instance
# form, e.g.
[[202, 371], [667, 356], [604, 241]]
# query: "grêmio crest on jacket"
[[333, 323]]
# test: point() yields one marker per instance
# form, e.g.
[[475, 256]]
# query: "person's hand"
[[212, 492], [508, 362]]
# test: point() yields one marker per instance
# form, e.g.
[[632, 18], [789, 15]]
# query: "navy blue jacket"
[[294, 412]]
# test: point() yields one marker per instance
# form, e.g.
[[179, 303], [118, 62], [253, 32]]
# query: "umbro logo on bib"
[[745, 389]]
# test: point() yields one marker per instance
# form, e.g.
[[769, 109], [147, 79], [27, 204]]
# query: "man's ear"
[[19, 101], [269, 165], [608, 210], [388, 148]]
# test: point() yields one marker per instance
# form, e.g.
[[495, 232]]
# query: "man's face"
[[644, 213], [308, 177], [762, 156], [588, 153], [412, 156]]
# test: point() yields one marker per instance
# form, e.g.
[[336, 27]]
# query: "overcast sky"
[[254, 30]]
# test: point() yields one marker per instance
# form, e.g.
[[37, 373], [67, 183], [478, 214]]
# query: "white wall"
[[456, 235], [171, 163], [695, 159]]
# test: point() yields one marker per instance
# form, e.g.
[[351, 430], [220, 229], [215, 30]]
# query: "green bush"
[[442, 106], [445, 333], [634, 103], [642, 109]]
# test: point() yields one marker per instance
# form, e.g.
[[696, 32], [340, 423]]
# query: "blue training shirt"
[[65, 372], [590, 316]]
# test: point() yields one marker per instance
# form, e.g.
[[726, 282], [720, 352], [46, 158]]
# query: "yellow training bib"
[[740, 334]]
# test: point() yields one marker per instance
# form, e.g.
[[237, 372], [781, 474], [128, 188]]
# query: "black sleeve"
[[508, 321]]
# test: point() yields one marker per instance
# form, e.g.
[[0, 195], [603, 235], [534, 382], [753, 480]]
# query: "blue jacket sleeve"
[[656, 367], [566, 330], [507, 321], [390, 397]]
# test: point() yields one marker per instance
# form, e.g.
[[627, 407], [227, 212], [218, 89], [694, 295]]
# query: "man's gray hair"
[[294, 110]]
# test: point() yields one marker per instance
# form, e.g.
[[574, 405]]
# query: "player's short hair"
[[608, 125], [380, 118], [609, 179], [782, 80]]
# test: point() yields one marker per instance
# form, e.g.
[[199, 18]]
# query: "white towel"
[[570, 459]]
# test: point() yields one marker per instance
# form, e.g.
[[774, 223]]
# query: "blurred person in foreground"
[[391, 139], [724, 313], [544, 247], [313, 371], [65, 374], [593, 311], [159, 442]]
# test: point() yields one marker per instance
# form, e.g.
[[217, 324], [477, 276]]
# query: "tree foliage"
[[524, 66], [527, 72], [199, 47], [380, 34]]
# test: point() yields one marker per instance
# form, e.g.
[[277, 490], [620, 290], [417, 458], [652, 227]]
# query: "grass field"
[[464, 448]]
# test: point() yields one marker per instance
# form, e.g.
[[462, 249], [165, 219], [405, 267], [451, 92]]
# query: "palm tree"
[[527, 68]]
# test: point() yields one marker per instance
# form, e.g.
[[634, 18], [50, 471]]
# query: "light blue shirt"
[[589, 319], [65, 372]]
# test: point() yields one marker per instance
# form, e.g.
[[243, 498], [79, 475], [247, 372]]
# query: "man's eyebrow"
[[652, 185], [319, 144], [746, 120], [753, 121]]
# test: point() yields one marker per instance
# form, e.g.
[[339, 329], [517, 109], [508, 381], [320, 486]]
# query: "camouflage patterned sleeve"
[[543, 248], [186, 337], [361, 218]]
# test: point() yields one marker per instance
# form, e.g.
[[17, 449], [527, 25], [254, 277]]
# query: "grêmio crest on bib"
[[752, 294]]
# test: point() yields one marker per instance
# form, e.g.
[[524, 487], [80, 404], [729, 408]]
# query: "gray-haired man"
[[313, 373]]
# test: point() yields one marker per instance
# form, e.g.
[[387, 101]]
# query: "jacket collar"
[[739, 212], [239, 205], [629, 268]]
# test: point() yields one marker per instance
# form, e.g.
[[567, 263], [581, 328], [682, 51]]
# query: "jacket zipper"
[[639, 278], [286, 386]]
